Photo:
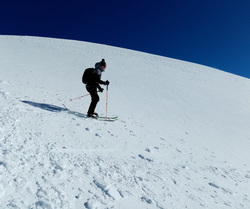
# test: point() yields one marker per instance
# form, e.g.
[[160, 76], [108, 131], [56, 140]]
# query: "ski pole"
[[79, 97], [107, 101]]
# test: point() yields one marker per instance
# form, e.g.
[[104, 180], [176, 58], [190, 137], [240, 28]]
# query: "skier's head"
[[101, 65]]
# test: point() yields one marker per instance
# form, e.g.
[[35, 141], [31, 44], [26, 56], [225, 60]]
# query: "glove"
[[107, 82], [101, 90]]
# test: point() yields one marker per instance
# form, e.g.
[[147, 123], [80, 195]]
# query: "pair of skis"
[[101, 118], [104, 118]]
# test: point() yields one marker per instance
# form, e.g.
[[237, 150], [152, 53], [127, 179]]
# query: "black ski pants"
[[94, 98]]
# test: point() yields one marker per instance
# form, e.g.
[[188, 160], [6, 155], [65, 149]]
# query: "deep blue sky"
[[215, 33]]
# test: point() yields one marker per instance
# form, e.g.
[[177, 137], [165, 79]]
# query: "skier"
[[93, 85]]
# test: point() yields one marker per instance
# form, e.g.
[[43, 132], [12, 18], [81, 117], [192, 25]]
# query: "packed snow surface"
[[182, 139]]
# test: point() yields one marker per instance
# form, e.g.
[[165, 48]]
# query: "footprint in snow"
[[147, 200], [141, 156], [213, 185], [3, 164], [144, 158]]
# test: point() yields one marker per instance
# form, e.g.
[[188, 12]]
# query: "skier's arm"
[[99, 81], [102, 82], [99, 88]]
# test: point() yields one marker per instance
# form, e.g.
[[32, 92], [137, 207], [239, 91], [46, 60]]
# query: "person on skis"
[[93, 85]]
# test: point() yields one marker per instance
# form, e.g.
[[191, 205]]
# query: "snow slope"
[[182, 139]]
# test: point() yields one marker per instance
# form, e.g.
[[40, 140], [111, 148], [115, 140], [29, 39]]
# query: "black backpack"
[[87, 75]]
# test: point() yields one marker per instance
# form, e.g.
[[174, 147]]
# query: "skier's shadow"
[[48, 107], [54, 108]]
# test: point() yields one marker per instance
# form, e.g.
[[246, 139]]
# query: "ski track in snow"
[[53, 159]]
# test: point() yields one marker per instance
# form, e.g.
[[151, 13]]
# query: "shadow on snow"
[[54, 108]]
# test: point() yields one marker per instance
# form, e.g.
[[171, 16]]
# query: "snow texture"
[[181, 141]]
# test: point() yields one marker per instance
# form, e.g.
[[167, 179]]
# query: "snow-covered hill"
[[182, 139]]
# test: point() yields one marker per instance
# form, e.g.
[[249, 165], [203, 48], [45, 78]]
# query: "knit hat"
[[103, 63]]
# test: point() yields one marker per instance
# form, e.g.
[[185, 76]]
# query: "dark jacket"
[[95, 80]]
